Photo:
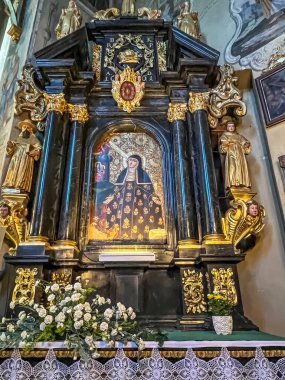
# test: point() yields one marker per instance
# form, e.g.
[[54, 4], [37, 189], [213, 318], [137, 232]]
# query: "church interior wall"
[[262, 273]]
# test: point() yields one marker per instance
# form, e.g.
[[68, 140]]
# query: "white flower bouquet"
[[76, 315]]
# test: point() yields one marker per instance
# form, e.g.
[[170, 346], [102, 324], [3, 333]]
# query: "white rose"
[[133, 316], [68, 287], [48, 319], [36, 305], [67, 299], [11, 328], [121, 307], [60, 324], [101, 300], [78, 278], [55, 288], [77, 286], [130, 310], [78, 314], [22, 315], [78, 324], [104, 326], [12, 305], [51, 297], [3, 337], [108, 313], [60, 317], [87, 317], [53, 309], [89, 340], [114, 332], [94, 325], [42, 326], [24, 334], [47, 288], [42, 313], [108, 301], [75, 297], [79, 307]]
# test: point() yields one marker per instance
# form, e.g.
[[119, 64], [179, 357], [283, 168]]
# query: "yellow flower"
[[210, 296]]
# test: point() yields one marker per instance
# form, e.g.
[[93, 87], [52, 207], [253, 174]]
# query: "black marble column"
[[187, 222], [205, 171], [48, 187], [71, 187]]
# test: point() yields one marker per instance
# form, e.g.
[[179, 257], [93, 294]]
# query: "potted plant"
[[221, 308]]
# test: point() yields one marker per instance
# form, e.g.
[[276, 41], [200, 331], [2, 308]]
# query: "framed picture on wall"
[[271, 92]]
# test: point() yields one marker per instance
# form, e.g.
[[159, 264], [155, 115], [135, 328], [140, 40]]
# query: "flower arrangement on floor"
[[76, 315], [222, 309]]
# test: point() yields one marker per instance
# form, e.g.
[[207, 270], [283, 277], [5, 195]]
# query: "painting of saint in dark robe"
[[128, 209]]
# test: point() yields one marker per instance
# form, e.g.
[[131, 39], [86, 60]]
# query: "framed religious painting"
[[271, 92]]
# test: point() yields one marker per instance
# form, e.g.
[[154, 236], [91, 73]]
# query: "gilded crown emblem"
[[128, 89], [129, 56]]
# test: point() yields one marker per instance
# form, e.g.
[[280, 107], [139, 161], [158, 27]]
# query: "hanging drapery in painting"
[[128, 198]]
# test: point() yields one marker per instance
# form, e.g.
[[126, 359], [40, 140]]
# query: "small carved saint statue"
[[70, 20], [128, 7], [188, 21], [7, 221], [235, 147], [24, 151]]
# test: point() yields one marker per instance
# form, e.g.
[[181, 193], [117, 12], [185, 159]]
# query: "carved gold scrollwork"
[[13, 212], [193, 289], [245, 217], [277, 58], [224, 283], [198, 101], [15, 33], [61, 278], [124, 40], [78, 112], [29, 97], [96, 64], [177, 111], [107, 14], [161, 53], [151, 14], [225, 96], [24, 290], [56, 102]]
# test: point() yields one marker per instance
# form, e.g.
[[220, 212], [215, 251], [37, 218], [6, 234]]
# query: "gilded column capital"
[[78, 112], [177, 111], [55, 102], [198, 101]]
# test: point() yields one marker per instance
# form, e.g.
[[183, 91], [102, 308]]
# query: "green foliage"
[[219, 305]]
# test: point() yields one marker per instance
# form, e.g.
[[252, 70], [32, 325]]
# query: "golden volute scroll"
[[151, 14], [245, 217], [24, 151], [70, 20], [225, 97], [235, 147], [25, 289], [128, 7], [188, 21], [107, 14]]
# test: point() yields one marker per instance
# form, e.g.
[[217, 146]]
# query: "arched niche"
[[124, 204]]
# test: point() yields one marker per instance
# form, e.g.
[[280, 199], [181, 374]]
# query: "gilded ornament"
[[29, 97], [25, 150], [151, 14], [70, 20], [60, 278], [161, 54], [13, 212], [96, 64], [224, 283], [15, 33], [235, 147], [126, 40], [245, 217], [193, 290], [225, 96], [177, 111], [78, 112], [107, 14], [128, 7], [198, 101], [128, 89], [276, 59], [55, 102], [24, 290], [188, 21], [129, 56]]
